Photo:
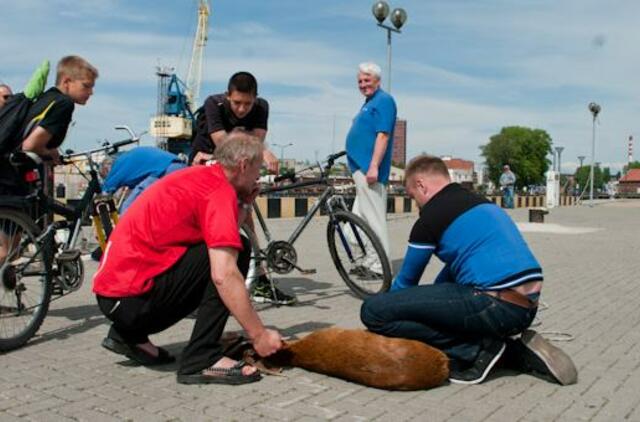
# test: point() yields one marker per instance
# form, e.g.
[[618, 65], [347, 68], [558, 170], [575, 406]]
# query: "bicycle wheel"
[[25, 290], [358, 254]]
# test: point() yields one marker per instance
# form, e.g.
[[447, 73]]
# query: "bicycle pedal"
[[68, 255], [307, 271]]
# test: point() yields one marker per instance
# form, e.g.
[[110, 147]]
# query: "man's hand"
[[54, 154], [267, 342], [270, 161], [202, 158], [372, 175]]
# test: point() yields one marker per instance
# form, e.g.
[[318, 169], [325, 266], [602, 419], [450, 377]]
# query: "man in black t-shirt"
[[238, 108]]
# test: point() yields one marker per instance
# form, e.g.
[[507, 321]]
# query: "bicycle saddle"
[[25, 160]]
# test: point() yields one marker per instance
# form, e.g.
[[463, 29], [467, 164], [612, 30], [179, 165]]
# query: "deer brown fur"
[[366, 358]]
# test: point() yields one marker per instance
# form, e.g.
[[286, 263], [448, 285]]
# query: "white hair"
[[238, 145], [370, 68]]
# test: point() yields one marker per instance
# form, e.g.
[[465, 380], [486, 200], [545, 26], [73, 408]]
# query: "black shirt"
[[52, 111], [218, 116]]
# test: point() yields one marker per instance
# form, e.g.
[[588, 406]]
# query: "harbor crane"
[[173, 124]]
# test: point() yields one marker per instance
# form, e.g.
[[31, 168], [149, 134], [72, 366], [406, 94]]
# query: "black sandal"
[[136, 354], [229, 376]]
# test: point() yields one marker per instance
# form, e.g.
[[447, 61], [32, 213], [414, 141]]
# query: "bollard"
[[536, 215]]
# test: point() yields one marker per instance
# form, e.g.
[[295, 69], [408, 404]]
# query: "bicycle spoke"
[[358, 255], [24, 282]]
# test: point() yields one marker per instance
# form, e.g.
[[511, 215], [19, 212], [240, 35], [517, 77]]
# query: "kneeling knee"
[[369, 315]]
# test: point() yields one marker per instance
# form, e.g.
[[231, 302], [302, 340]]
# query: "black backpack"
[[13, 118]]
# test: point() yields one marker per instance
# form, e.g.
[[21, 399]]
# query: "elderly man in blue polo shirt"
[[369, 148]]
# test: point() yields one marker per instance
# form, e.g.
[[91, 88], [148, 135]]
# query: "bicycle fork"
[[340, 203]]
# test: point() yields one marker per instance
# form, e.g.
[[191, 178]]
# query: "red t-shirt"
[[187, 207]]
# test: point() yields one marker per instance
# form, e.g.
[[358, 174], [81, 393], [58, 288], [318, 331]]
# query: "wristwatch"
[[245, 206]]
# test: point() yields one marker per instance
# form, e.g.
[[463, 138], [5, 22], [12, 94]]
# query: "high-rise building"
[[399, 155]]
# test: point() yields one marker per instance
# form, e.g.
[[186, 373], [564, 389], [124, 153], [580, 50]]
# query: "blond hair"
[[427, 164], [238, 146], [75, 67]]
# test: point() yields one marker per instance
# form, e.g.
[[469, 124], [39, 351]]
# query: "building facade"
[[399, 155], [460, 171]]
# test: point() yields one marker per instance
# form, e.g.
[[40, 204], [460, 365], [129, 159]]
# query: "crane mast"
[[194, 74], [173, 124]]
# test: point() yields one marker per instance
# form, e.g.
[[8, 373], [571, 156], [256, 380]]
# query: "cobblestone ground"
[[591, 296]]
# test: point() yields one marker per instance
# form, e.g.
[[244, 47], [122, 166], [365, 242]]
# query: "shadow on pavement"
[[75, 313], [86, 318], [301, 285]]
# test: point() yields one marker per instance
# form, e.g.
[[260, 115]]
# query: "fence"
[[287, 207]]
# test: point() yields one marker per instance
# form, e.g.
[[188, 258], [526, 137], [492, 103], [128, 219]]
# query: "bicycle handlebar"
[[292, 175], [287, 176], [109, 148], [337, 155]]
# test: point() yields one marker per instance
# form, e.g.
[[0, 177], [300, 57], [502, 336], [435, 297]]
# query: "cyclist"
[[238, 108], [178, 249], [48, 120], [50, 117]]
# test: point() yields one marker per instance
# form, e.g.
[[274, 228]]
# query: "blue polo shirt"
[[378, 114], [135, 165]]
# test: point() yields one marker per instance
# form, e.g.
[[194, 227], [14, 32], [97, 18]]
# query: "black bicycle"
[[355, 249], [39, 258]]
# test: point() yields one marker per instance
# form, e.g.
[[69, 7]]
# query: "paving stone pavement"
[[590, 293]]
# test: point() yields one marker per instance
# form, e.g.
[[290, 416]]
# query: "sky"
[[461, 69]]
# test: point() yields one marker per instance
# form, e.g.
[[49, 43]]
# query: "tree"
[[606, 175], [582, 177], [631, 165], [524, 149]]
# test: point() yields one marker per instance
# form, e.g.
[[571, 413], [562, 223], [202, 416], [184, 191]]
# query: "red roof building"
[[461, 171], [630, 182]]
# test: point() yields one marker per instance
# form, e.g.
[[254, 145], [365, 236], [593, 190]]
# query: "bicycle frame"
[[324, 199]]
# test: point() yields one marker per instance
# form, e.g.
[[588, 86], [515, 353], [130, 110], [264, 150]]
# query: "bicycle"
[[38, 263], [355, 249]]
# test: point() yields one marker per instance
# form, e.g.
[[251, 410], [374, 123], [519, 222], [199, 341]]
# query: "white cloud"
[[462, 70]]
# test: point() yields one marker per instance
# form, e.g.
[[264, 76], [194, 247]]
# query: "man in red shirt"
[[178, 249]]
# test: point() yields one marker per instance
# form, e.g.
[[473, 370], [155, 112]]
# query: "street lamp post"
[[559, 151], [595, 110], [398, 18], [282, 148], [581, 159]]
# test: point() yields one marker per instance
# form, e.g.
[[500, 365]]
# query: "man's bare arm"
[[230, 285], [382, 140], [37, 142]]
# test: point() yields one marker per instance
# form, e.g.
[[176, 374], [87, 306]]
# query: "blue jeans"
[[145, 183], [449, 316], [507, 198]]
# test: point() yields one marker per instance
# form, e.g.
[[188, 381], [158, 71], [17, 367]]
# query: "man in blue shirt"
[[137, 169], [507, 183], [369, 147], [487, 291]]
